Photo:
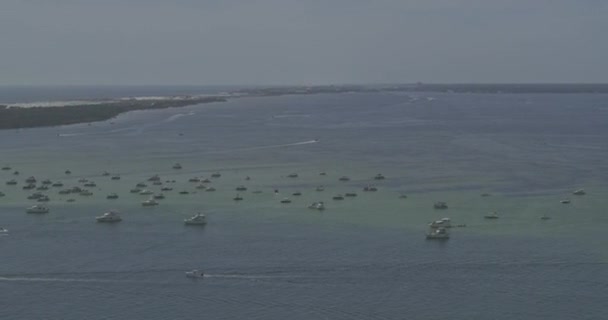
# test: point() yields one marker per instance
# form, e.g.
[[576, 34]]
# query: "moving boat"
[[292, 175], [149, 203], [491, 215], [442, 223], [438, 234], [579, 192], [37, 209], [565, 201], [197, 219], [195, 274], [111, 216]]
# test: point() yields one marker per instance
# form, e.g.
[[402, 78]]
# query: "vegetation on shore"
[[15, 117]]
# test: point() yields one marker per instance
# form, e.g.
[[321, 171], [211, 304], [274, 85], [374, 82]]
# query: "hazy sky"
[[302, 41]]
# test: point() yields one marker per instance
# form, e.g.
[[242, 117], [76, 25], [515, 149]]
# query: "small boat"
[[35, 196], [37, 209], [210, 189], [2, 194], [159, 196], [438, 234], [206, 180], [11, 182], [145, 192], [82, 180], [184, 192], [46, 182], [177, 166], [65, 191], [491, 215], [195, 274], [42, 188], [579, 192], [149, 203], [317, 206], [44, 199], [71, 200], [86, 193], [485, 195], [286, 200], [111, 216], [338, 197], [247, 178], [197, 219], [135, 190], [105, 174], [442, 223], [379, 176], [320, 188], [256, 191], [350, 194], [201, 187], [216, 175], [141, 185], [68, 172], [241, 188], [322, 173], [154, 178], [370, 189], [29, 186], [16, 172], [57, 184], [112, 196], [344, 178], [3, 230], [297, 193], [545, 217], [403, 196], [237, 197], [565, 201], [157, 183], [440, 205], [115, 178], [166, 189], [6, 168], [30, 180], [194, 179], [90, 184], [292, 175]]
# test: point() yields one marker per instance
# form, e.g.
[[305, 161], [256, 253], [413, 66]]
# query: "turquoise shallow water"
[[364, 257]]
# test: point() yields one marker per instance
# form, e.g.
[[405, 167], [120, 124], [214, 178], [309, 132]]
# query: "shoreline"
[[20, 117]]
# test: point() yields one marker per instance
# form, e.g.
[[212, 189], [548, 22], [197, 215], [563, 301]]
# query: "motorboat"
[[159, 196], [111, 216], [90, 184], [177, 166], [292, 175], [83, 180], [35, 196], [6, 168], [297, 193], [16, 172], [216, 175], [2, 194], [195, 274], [112, 196], [157, 183], [491, 215], [105, 174], [442, 223], [29, 186], [438, 234], [206, 180], [370, 189], [145, 192], [166, 189], [322, 173], [42, 188], [71, 200], [68, 172], [440, 205], [317, 206], [201, 187], [11, 182], [184, 192], [44, 199], [46, 181], [65, 191], [197, 219], [241, 188], [37, 209], [379, 176], [403, 196], [237, 197], [565, 201], [154, 178], [579, 192], [338, 197], [57, 184], [210, 189], [149, 203], [194, 179], [350, 194], [3, 230], [115, 178], [344, 178], [286, 200]]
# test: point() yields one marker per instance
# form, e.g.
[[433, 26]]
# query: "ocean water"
[[363, 257]]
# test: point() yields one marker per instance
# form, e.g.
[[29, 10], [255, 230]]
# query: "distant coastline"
[[15, 117]]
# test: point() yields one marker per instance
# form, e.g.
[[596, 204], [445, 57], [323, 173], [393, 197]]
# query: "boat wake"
[[267, 147], [36, 279]]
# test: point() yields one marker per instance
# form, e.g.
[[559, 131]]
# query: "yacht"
[[440, 205], [195, 274], [177, 166], [317, 206], [37, 209], [379, 176], [442, 223], [438, 234], [111, 216], [112, 196], [491, 215], [579, 192], [197, 219], [149, 203], [286, 200]]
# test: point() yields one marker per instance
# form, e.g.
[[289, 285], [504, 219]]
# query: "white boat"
[[579, 192], [145, 192], [491, 215], [111, 216], [149, 203], [195, 274], [438, 234], [197, 219], [37, 209], [317, 206], [442, 223]]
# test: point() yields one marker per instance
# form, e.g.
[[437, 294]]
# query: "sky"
[[301, 42]]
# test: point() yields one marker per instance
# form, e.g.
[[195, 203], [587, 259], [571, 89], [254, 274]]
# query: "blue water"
[[363, 258]]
